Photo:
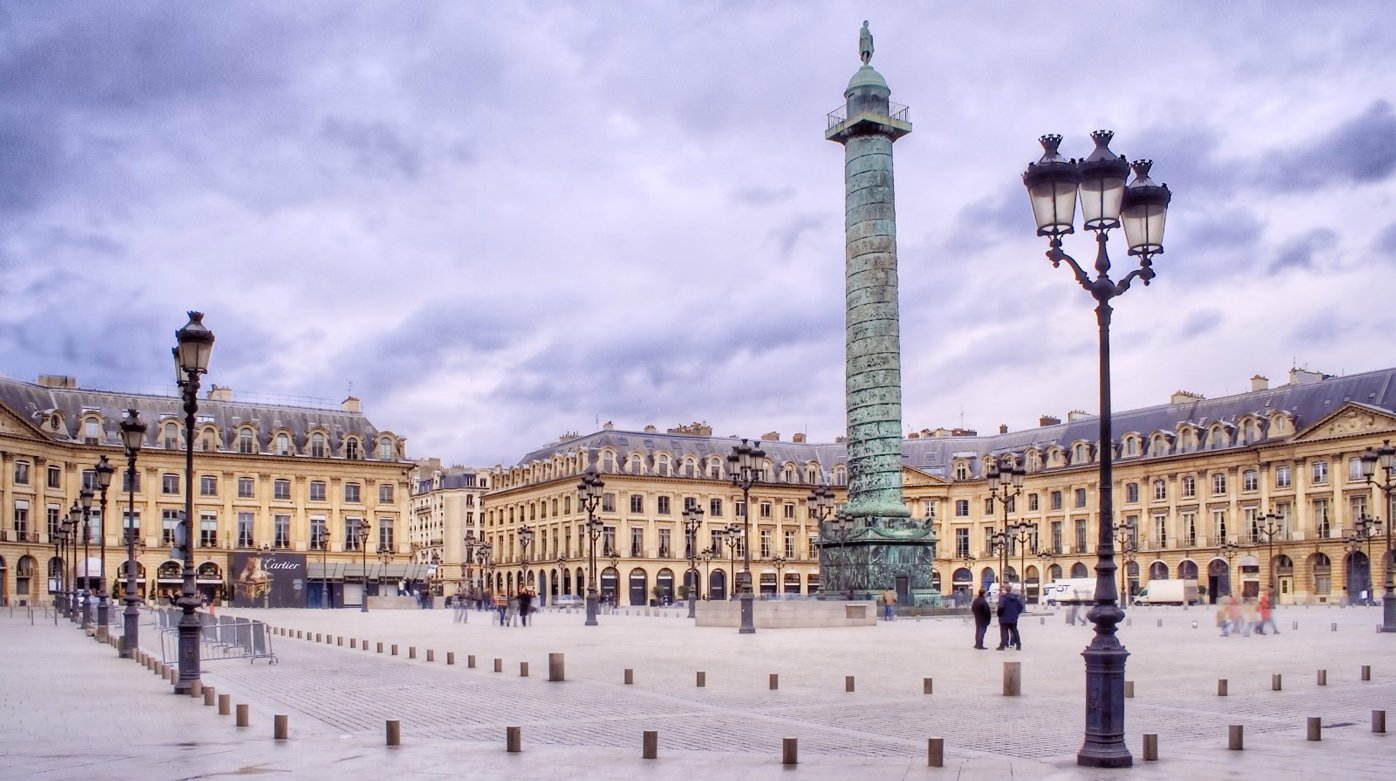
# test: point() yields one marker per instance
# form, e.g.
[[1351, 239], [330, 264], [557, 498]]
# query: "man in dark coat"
[[980, 608], [1011, 606]]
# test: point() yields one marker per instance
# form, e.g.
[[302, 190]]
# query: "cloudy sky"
[[500, 222]]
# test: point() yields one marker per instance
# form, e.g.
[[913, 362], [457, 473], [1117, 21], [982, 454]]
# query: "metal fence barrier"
[[220, 637]]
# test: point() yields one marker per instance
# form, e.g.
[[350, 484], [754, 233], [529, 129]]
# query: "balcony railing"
[[894, 111]]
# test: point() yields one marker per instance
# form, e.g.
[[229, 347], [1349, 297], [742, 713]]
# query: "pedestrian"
[[1238, 624], [1010, 607], [525, 604], [1073, 613], [501, 605], [1267, 615], [458, 603], [1224, 615], [889, 605], [511, 614], [980, 608]]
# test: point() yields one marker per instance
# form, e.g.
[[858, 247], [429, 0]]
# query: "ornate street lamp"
[[1386, 456], [1272, 525], [55, 571], [194, 345], [692, 522], [320, 539], [1125, 542], [821, 506], [525, 542], [841, 528], [707, 555], [70, 543], [85, 497], [779, 563], [731, 536], [588, 499], [558, 577], [104, 471], [482, 555], [361, 533], [745, 467], [132, 436], [1023, 533], [1053, 184], [1228, 549], [1005, 483]]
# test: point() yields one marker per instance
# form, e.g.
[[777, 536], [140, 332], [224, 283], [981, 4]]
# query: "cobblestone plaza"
[[123, 723]]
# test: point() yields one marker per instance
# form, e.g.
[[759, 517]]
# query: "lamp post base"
[[188, 648], [591, 610], [1104, 745], [748, 606], [1388, 611], [130, 635], [103, 614]]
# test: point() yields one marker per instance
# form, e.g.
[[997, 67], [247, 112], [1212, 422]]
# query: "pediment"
[[917, 478], [1349, 420], [13, 425]]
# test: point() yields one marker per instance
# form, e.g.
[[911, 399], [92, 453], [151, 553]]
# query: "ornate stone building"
[[271, 479], [1191, 476], [446, 524]]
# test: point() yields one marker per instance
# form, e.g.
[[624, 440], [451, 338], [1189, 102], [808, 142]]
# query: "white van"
[[1068, 591]]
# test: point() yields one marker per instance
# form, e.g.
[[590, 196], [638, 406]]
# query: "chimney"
[[1003, 428], [351, 404], [1304, 377], [220, 393], [913, 435], [798, 438], [58, 381], [1259, 383], [1075, 414], [771, 436], [651, 430], [1185, 397], [609, 426], [1049, 420]]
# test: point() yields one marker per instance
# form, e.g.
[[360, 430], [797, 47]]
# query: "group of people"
[[514, 608], [1010, 605], [1242, 616]]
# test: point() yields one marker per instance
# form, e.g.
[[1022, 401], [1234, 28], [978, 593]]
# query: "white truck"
[[1068, 591], [1168, 592]]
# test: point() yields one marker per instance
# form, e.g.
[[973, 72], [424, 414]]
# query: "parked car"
[[569, 600]]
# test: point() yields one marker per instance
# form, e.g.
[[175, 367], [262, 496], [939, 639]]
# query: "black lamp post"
[[707, 555], [55, 574], [85, 497], [558, 578], [1386, 456], [588, 499], [1229, 550], [730, 535], [1023, 533], [104, 471], [1005, 483], [482, 555], [841, 526], [362, 535], [320, 538], [745, 467], [692, 522], [1124, 539], [194, 345], [1271, 526], [70, 542], [1053, 183], [132, 436], [779, 563], [525, 542], [821, 506], [465, 568]]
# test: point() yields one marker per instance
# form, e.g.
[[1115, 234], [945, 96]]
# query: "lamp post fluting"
[[104, 471], [746, 465], [85, 496], [1106, 202], [1386, 457], [132, 436], [1005, 483], [588, 499], [194, 345], [692, 522]]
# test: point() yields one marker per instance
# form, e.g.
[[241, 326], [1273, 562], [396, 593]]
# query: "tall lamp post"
[[1005, 483], [482, 555], [1124, 539], [194, 345], [1053, 183], [361, 534], [132, 436], [85, 496], [821, 506], [104, 471], [1229, 550], [320, 538], [70, 538], [745, 466], [55, 575], [841, 527], [1270, 524], [731, 535], [1386, 456], [779, 563], [525, 541], [588, 499], [1023, 533], [692, 522], [707, 555]]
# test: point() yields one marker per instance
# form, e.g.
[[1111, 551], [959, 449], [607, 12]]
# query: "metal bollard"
[[498, 665], [557, 670], [450, 657], [1315, 728], [317, 637], [790, 751], [1322, 677], [1012, 679], [935, 752], [629, 676], [339, 640], [774, 681], [1295, 626], [411, 652], [1160, 626], [848, 683], [242, 714], [1379, 721], [1129, 689], [279, 726], [1366, 672], [649, 744], [225, 704], [513, 739], [927, 685], [702, 679], [380, 648], [1275, 682], [523, 669], [1221, 687], [1335, 626], [210, 695], [394, 736], [1150, 747], [353, 643], [470, 661], [394, 649], [196, 689], [1236, 737]]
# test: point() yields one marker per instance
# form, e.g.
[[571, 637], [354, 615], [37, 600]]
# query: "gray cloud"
[[1200, 323], [1361, 150], [1303, 253]]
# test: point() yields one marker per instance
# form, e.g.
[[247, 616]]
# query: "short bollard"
[[353, 643], [470, 661], [450, 657], [196, 689], [557, 668], [1012, 679], [702, 679], [1334, 627], [848, 683], [280, 726], [523, 669], [1221, 687], [1236, 737], [498, 665], [394, 736], [363, 646], [339, 640], [1379, 721], [225, 704], [411, 652], [394, 649], [210, 695], [173, 674], [790, 751], [1295, 626], [242, 714], [935, 752], [380, 648], [1276, 683], [629, 676], [1160, 623], [927, 685], [317, 637], [649, 744], [1322, 677], [1150, 747], [513, 739], [774, 681], [1129, 688], [431, 655], [1366, 672], [1315, 731]]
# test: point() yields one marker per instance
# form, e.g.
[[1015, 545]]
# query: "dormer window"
[[386, 451], [246, 443], [91, 431], [170, 435], [317, 445], [283, 444], [351, 449]]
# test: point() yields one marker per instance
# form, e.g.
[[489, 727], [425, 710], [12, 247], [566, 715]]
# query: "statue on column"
[[865, 43]]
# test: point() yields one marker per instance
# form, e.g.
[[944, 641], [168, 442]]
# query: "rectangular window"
[[385, 534], [1323, 524], [208, 485], [663, 505], [1161, 531], [1190, 529], [1081, 535], [55, 477], [1056, 500], [1057, 537], [21, 473], [1219, 526], [789, 512], [1283, 477], [132, 525], [1032, 503], [608, 541], [245, 485], [1080, 497], [1160, 491], [666, 548], [21, 518], [351, 492], [637, 503], [317, 490], [790, 552], [765, 543], [169, 519], [1320, 473], [715, 508], [283, 531], [281, 489], [1189, 487], [55, 521], [961, 508], [245, 531], [1355, 470], [989, 506], [319, 533], [1250, 481], [740, 509], [1131, 492], [608, 503], [637, 542], [1219, 484], [385, 494], [1357, 507], [351, 533], [208, 530], [765, 510], [961, 543], [130, 481], [169, 484]]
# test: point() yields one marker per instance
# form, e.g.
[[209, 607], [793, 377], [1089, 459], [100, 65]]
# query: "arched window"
[[317, 445], [386, 451], [246, 442], [283, 444], [351, 449]]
